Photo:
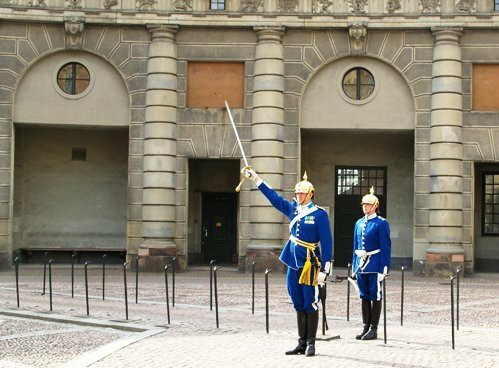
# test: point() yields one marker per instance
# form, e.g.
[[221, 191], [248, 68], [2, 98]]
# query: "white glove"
[[249, 173], [381, 276], [321, 278]]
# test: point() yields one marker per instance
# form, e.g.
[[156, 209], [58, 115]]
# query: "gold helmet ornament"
[[304, 186], [370, 198]]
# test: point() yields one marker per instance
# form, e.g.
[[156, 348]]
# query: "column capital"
[[449, 34], [162, 32], [269, 33]]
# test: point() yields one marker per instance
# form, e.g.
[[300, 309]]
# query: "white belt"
[[364, 254]]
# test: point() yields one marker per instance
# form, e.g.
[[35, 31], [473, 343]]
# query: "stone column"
[[160, 150], [446, 252], [267, 147]]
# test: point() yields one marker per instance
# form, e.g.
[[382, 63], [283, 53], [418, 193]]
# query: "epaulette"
[[321, 208], [381, 218]]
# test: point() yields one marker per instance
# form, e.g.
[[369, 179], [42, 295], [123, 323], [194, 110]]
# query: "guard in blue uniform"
[[371, 262], [307, 253]]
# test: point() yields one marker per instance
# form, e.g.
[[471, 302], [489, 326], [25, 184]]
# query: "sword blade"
[[237, 135]]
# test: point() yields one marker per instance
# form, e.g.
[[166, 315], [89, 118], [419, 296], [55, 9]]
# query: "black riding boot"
[[366, 317], [301, 318], [312, 324], [372, 334]]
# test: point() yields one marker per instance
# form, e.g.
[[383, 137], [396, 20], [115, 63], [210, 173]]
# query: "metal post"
[[212, 262], [349, 270], [103, 275], [458, 272], [174, 269], [73, 256], [384, 306], [267, 271], [137, 279], [86, 285], [125, 289], [16, 265], [50, 282], [253, 288], [216, 292], [166, 293], [402, 297], [44, 270], [452, 307]]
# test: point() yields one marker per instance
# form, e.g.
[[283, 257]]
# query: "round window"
[[358, 83], [73, 78]]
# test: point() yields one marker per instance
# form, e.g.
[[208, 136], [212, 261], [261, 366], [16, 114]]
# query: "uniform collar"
[[370, 217], [301, 208]]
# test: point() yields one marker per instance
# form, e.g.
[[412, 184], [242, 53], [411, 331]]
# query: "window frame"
[[484, 193], [215, 5], [73, 80], [358, 83]]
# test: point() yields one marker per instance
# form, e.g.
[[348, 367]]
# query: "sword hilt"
[[238, 188]]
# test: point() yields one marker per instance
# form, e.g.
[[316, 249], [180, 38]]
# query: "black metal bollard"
[[16, 265], [267, 271], [166, 293], [50, 282], [452, 308], [73, 256], [125, 290], [384, 308], [212, 262], [103, 275], [137, 279], [86, 285], [253, 288], [216, 292], [44, 270], [458, 272], [402, 297], [174, 269], [349, 271]]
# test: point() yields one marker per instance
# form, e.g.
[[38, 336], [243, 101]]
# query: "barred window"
[[358, 83], [490, 204], [496, 4], [73, 78], [217, 5]]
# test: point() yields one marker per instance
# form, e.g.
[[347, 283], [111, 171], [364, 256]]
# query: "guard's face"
[[303, 198], [369, 209]]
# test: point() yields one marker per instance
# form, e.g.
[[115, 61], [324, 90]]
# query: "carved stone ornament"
[[430, 6], [108, 4], [37, 3], [6, 2], [466, 6], [287, 6], [73, 4], [358, 38], [251, 6], [357, 6], [393, 5], [74, 27], [145, 5], [184, 5], [322, 6]]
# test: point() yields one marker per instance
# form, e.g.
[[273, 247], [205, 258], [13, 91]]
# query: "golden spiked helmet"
[[304, 186], [370, 198]]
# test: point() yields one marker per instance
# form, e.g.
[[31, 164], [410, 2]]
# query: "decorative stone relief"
[[6, 2], [251, 6], [74, 4], [37, 3], [357, 6], [466, 6], [322, 6], [358, 38], [74, 27], [145, 5], [108, 4], [430, 6], [287, 6], [184, 5], [393, 5]]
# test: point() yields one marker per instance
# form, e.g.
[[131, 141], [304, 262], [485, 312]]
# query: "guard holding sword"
[[307, 253], [371, 262]]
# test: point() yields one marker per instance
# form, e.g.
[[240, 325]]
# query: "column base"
[[154, 255], [443, 262], [265, 256]]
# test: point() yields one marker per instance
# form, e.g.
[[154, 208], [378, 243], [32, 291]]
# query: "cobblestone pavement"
[[34, 336]]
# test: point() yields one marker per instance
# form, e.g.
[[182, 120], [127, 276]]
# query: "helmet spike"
[[305, 177], [371, 191]]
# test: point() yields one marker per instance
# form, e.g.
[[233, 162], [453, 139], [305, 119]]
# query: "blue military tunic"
[[372, 236], [309, 224]]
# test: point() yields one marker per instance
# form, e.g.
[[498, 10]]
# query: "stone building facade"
[[114, 135]]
